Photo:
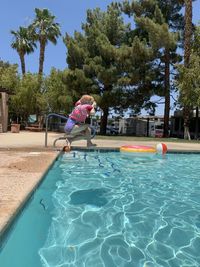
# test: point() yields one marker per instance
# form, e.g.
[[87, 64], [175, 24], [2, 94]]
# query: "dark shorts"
[[69, 125]]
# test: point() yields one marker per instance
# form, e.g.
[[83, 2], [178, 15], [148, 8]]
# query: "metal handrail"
[[62, 117], [47, 121]]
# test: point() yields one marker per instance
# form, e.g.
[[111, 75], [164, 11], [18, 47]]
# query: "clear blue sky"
[[69, 13]]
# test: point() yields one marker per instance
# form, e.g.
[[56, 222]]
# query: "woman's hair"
[[86, 99]]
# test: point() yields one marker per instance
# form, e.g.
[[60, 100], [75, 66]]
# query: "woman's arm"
[[93, 110]]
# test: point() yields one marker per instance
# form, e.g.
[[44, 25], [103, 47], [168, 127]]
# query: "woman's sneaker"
[[69, 140], [90, 144]]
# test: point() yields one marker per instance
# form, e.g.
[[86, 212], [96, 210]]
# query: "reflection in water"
[[118, 210]]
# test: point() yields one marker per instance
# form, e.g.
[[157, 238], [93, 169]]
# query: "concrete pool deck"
[[36, 141], [24, 160]]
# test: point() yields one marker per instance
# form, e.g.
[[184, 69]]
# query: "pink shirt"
[[81, 112]]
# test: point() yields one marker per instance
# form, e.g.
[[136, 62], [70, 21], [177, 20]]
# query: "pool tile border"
[[117, 149]]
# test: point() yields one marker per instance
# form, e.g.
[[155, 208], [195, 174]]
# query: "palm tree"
[[23, 43], [45, 30], [187, 52]]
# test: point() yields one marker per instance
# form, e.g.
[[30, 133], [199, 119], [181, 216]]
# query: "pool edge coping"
[[11, 220]]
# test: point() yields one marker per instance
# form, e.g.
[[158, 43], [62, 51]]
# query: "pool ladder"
[[65, 136]]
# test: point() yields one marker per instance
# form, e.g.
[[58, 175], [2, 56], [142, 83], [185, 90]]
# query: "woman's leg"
[[79, 129], [80, 132]]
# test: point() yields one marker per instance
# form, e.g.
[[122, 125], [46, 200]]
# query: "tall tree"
[[158, 21], [23, 43], [104, 61], [171, 11], [45, 29], [188, 80], [187, 52]]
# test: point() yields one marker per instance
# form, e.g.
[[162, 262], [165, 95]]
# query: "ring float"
[[159, 149]]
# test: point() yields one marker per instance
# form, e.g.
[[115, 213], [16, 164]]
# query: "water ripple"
[[115, 210]]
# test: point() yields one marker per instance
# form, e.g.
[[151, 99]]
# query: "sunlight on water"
[[111, 209]]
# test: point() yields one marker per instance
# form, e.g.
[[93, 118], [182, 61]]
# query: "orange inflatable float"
[[137, 149], [159, 149]]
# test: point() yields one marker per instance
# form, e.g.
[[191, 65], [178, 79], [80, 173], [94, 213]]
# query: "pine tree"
[[157, 21], [188, 80], [105, 63]]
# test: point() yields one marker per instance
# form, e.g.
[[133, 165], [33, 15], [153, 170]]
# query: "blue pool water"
[[111, 209]]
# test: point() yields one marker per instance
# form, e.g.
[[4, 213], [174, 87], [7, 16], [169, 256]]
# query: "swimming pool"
[[110, 209]]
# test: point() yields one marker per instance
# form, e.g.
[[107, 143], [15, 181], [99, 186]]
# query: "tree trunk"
[[104, 120], [197, 124], [167, 94], [188, 32], [187, 51], [147, 127], [41, 59], [186, 116], [21, 55]]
